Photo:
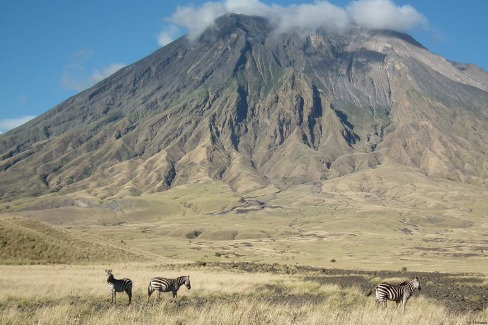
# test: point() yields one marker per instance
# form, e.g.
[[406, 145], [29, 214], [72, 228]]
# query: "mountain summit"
[[250, 107]]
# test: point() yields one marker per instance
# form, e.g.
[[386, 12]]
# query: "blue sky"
[[51, 50]]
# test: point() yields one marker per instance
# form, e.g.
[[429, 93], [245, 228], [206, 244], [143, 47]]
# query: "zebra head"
[[187, 282], [110, 276], [416, 283]]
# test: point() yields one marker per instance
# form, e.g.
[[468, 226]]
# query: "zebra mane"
[[183, 280], [408, 281]]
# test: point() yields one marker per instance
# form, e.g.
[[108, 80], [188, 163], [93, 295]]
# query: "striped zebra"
[[398, 293], [116, 285], [167, 285]]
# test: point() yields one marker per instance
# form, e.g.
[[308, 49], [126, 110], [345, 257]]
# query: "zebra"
[[167, 285], [398, 293], [121, 285]]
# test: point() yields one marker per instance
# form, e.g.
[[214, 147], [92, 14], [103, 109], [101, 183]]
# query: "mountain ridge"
[[252, 108]]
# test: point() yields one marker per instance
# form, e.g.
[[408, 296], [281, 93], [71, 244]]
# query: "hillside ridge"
[[29, 241], [251, 108]]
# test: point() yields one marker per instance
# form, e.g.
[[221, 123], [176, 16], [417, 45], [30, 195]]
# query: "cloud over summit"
[[304, 17], [384, 14]]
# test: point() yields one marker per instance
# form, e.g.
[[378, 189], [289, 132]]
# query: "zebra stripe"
[[121, 285], [167, 285], [399, 293]]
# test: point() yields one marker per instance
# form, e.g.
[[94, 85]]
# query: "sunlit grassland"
[[362, 222], [61, 294]]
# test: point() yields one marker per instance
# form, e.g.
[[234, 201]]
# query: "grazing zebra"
[[167, 285], [398, 293], [119, 286]]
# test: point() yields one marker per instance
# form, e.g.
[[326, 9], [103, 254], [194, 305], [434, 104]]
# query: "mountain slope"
[[249, 107], [27, 241]]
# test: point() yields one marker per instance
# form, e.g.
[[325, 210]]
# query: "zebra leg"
[[404, 302], [149, 292], [380, 302], [129, 293]]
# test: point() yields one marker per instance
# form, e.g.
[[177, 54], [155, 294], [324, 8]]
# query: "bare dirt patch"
[[458, 292]]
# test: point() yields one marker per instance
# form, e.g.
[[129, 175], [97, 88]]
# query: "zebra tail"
[[370, 292]]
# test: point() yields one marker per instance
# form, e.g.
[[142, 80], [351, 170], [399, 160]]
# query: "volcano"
[[250, 107]]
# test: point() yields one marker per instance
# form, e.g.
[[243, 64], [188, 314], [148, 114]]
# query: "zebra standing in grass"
[[119, 286], [398, 293], [167, 285]]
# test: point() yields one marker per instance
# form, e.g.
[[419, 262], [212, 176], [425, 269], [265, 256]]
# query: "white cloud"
[[197, 19], [169, 34], [79, 74], [373, 14], [75, 76], [384, 14], [311, 17], [99, 75], [11, 123]]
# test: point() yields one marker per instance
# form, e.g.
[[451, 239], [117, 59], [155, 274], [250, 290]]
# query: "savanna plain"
[[77, 294], [305, 254]]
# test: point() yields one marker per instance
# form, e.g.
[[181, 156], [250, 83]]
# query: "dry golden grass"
[[366, 220], [28, 241], [78, 295], [358, 222]]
